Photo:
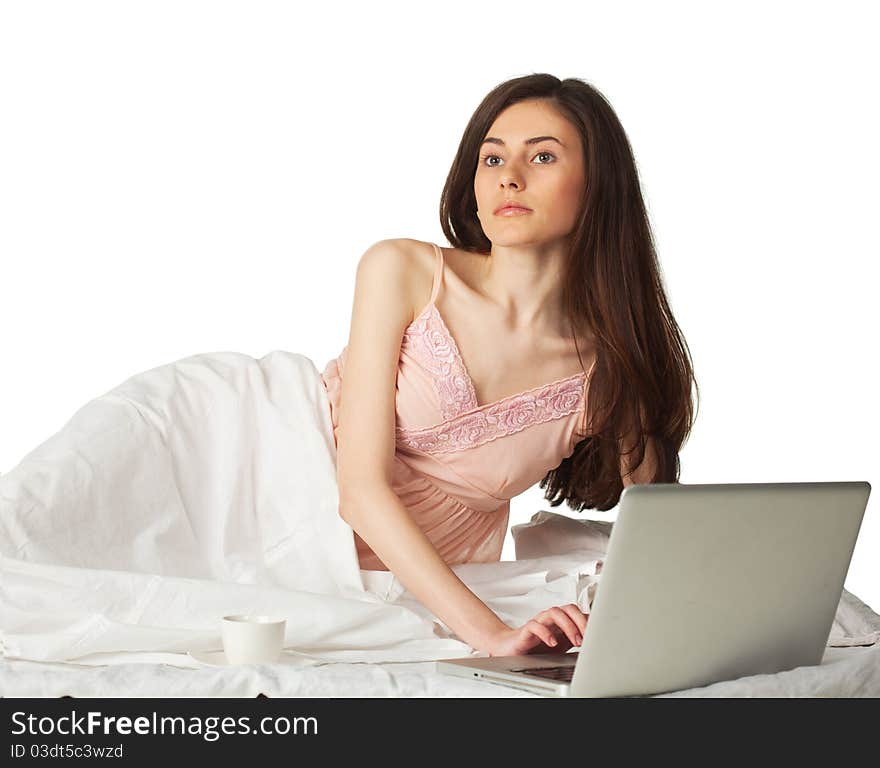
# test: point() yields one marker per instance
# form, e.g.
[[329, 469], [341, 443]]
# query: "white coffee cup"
[[252, 639]]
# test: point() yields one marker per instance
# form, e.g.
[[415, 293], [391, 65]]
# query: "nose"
[[511, 177]]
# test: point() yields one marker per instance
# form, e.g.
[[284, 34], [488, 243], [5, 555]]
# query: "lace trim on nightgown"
[[428, 340], [505, 417]]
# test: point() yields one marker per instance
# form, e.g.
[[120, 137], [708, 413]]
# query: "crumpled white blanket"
[[207, 487], [202, 488]]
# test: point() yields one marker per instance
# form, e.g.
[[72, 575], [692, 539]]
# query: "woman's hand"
[[555, 630]]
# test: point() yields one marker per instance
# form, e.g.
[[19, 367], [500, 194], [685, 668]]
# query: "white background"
[[182, 177]]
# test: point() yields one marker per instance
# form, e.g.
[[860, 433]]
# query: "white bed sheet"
[[845, 671], [206, 487], [515, 590]]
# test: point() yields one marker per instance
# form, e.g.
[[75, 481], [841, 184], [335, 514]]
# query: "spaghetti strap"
[[438, 274]]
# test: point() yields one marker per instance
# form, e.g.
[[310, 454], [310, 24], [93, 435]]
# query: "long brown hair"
[[640, 388]]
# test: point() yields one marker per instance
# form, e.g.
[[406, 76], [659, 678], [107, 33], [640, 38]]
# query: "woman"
[[540, 345]]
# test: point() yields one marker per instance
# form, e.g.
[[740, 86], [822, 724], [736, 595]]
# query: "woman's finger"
[[577, 615], [566, 624], [541, 631]]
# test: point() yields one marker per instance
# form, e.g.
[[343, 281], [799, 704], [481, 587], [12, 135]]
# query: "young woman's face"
[[546, 176]]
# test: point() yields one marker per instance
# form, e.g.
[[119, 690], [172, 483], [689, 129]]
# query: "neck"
[[525, 282]]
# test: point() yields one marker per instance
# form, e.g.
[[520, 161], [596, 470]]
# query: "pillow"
[[549, 533]]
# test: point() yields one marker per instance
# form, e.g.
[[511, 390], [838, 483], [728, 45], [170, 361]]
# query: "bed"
[[206, 487]]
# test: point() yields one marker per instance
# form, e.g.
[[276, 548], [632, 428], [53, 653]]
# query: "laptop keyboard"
[[563, 674]]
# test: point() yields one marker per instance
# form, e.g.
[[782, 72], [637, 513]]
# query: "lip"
[[511, 207]]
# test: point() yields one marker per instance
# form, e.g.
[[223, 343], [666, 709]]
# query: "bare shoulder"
[[462, 264], [417, 260]]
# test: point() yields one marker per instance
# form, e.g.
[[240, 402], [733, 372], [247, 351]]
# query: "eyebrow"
[[533, 140]]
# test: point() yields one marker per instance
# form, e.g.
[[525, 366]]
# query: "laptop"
[[702, 583]]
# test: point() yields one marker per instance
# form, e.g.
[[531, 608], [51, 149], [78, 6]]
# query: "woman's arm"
[[380, 519], [390, 288]]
